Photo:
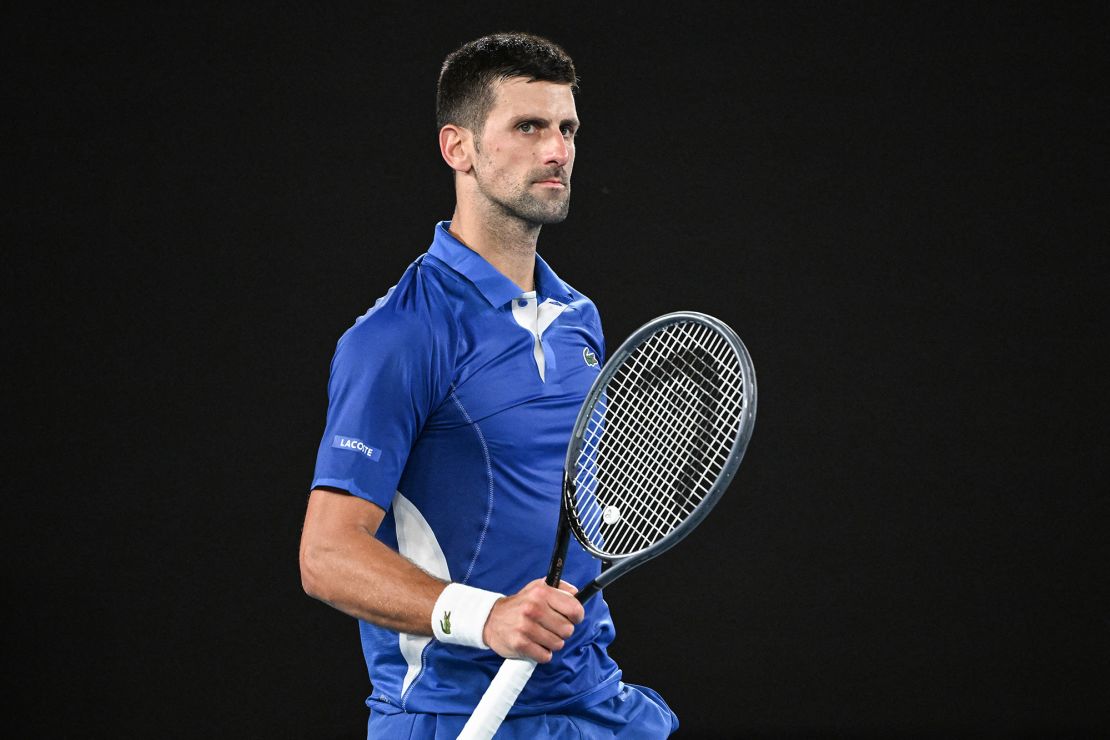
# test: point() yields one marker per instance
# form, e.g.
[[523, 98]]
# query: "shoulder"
[[407, 337], [414, 314], [587, 317], [401, 352], [587, 311]]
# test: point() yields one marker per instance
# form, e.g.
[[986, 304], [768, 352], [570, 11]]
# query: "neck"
[[507, 243]]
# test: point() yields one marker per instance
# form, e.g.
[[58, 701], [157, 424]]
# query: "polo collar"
[[495, 287]]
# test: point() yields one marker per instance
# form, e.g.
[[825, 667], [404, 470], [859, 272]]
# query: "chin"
[[556, 217]]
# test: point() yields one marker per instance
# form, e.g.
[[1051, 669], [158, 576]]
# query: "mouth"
[[556, 179]]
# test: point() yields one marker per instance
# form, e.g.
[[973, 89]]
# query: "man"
[[451, 403]]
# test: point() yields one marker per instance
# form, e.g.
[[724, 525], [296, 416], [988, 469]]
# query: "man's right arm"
[[344, 565]]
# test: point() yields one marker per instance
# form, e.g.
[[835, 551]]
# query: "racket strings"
[[658, 438], [678, 492]]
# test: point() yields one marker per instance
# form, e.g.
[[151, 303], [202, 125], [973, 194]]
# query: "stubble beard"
[[522, 204], [538, 211]]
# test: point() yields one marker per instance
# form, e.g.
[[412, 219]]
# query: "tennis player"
[[451, 402]]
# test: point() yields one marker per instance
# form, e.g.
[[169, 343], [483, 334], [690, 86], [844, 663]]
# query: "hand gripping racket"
[[659, 436]]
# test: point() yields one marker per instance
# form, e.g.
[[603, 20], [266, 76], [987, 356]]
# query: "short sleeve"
[[388, 374]]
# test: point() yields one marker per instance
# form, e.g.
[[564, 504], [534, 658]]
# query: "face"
[[525, 153]]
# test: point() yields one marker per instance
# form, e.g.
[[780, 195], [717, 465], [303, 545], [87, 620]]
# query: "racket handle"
[[498, 699]]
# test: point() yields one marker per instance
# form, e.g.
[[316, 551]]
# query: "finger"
[[550, 634], [535, 620], [552, 621], [566, 605], [570, 588], [528, 640], [521, 646], [537, 653]]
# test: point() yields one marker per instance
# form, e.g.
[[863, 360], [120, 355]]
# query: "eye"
[[569, 131], [526, 127]]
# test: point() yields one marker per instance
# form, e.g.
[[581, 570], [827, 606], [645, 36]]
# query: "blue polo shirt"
[[450, 405]]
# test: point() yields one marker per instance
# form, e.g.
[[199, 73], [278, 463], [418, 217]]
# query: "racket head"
[[659, 437]]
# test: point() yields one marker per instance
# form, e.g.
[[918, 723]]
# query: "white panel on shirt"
[[536, 317], [417, 542]]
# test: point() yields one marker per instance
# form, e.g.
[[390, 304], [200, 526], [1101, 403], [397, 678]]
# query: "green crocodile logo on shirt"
[[590, 357], [445, 623]]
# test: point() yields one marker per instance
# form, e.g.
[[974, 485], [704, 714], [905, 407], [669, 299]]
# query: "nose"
[[556, 149]]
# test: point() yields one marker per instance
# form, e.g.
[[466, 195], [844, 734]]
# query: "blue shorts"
[[635, 713]]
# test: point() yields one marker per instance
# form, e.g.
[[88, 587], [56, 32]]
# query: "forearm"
[[362, 577], [343, 564]]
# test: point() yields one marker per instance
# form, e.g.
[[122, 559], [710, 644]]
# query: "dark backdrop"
[[901, 212]]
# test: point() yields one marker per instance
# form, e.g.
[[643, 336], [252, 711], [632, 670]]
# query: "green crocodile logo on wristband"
[[445, 623]]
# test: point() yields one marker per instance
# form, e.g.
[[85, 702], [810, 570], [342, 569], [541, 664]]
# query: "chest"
[[520, 379]]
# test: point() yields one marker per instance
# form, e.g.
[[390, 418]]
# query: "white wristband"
[[460, 614]]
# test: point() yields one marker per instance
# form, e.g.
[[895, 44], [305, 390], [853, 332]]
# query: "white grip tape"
[[460, 615], [498, 699]]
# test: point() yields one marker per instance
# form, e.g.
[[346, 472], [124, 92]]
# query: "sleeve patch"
[[356, 445]]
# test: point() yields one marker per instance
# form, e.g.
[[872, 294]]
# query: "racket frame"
[[616, 566]]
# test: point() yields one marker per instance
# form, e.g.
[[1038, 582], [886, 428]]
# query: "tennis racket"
[[656, 442]]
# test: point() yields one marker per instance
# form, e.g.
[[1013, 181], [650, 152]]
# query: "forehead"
[[518, 96]]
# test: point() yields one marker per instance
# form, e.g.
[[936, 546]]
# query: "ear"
[[456, 145]]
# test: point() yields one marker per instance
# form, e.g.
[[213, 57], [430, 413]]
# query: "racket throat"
[[562, 534], [559, 554]]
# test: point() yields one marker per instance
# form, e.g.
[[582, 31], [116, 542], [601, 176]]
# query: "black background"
[[901, 212]]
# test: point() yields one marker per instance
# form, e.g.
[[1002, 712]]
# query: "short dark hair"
[[464, 94]]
